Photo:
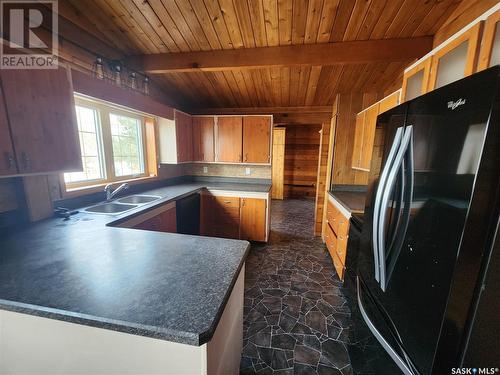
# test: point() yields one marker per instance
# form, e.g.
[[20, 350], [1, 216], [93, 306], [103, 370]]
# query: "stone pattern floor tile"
[[296, 319]]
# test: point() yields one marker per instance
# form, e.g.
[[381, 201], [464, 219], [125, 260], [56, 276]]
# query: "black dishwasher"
[[188, 214]]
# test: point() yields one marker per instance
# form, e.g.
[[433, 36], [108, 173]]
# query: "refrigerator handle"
[[406, 199], [378, 196], [401, 363], [385, 198]]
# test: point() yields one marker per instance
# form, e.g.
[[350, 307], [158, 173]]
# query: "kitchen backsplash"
[[228, 170]]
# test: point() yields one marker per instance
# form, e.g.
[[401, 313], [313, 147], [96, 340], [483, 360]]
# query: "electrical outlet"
[[247, 171], [205, 169]]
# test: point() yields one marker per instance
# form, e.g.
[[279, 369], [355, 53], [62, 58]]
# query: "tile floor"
[[296, 319]]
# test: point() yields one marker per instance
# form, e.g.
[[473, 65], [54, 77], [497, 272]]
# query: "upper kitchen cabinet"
[[7, 160], [256, 139], [184, 136], [229, 139], [490, 46], [364, 134], [41, 112], [203, 138], [456, 59], [416, 80]]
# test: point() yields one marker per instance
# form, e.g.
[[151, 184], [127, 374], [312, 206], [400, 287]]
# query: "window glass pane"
[[92, 156], [127, 145]]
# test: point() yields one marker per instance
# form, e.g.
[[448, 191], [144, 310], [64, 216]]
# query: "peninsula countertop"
[[162, 285], [351, 197]]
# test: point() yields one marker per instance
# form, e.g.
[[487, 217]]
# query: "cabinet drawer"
[[332, 215], [341, 247], [227, 202], [338, 222], [339, 267], [342, 226], [330, 239]]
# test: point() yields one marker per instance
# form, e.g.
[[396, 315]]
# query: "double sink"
[[121, 205]]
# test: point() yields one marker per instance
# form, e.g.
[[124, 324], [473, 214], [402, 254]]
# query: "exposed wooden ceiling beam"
[[352, 52], [262, 110]]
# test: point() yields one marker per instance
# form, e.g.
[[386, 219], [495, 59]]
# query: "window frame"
[[104, 110]]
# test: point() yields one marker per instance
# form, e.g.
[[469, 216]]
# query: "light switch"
[[205, 169], [247, 171]]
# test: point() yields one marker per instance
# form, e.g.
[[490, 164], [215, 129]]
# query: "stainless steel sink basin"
[[138, 199], [110, 208]]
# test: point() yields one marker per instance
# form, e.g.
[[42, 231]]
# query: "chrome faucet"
[[111, 193]]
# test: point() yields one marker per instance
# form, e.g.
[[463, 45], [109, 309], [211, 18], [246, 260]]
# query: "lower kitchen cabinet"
[[220, 216], [253, 219], [161, 219], [233, 217], [336, 236]]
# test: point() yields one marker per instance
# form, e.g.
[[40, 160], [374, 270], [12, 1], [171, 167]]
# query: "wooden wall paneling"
[[301, 160], [184, 136], [134, 27], [86, 85], [229, 141], [488, 40], [472, 37], [358, 139], [203, 138], [257, 139], [278, 164], [253, 219], [464, 13], [321, 180], [42, 117]]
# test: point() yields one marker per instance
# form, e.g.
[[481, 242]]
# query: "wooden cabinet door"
[[253, 219], [416, 80], [256, 139], [358, 139], [184, 135], [455, 60], [203, 139], [229, 139], [370, 124], [220, 216], [41, 111], [168, 221], [278, 165], [7, 159], [163, 222], [389, 102], [364, 137], [490, 46]]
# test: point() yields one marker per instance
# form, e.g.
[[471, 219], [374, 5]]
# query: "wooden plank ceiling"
[[138, 27]]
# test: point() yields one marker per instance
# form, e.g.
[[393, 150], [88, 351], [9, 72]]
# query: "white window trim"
[[104, 109]]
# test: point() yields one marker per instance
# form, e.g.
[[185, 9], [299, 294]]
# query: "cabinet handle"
[[239, 156], [26, 161], [246, 157], [11, 163]]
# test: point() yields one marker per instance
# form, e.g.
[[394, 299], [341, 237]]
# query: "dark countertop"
[[163, 285], [351, 197]]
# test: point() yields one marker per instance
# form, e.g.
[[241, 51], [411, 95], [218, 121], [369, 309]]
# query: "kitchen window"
[[112, 142]]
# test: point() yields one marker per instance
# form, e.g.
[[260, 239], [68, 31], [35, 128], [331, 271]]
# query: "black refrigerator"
[[431, 222]]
